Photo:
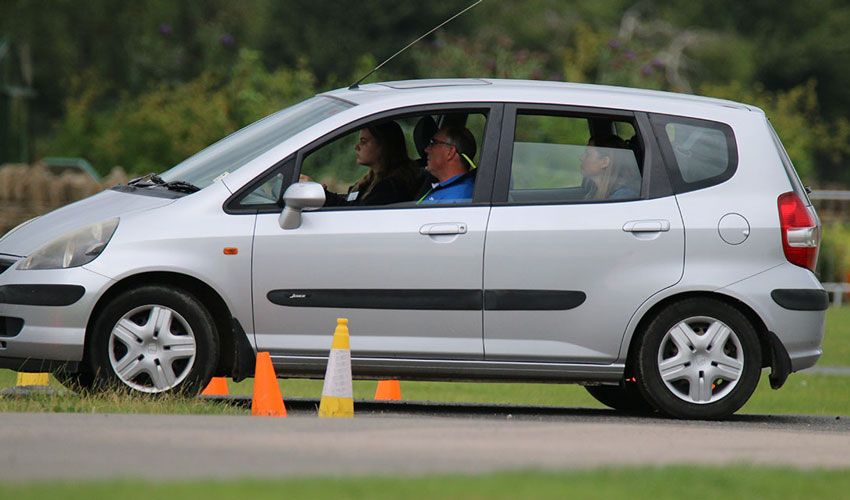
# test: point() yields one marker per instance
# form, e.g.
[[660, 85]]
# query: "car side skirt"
[[455, 370]]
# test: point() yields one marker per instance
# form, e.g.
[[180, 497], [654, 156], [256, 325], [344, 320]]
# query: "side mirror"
[[297, 198]]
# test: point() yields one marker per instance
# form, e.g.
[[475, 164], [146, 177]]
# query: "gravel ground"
[[392, 439]]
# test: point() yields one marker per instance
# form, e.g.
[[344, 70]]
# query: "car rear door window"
[[567, 158]]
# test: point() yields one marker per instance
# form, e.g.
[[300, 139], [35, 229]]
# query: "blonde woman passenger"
[[609, 169]]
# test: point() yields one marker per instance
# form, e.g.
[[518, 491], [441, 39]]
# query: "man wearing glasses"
[[450, 154]]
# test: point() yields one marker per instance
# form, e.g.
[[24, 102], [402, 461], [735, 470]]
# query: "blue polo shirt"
[[458, 189]]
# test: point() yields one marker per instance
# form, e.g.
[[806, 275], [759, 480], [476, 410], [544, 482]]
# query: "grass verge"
[[114, 402], [836, 340], [803, 394], [647, 483]]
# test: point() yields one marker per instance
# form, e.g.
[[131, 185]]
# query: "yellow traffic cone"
[[25, 379], [388, 390], [337, 393]]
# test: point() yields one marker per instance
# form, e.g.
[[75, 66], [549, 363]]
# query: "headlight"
[[72, 250]]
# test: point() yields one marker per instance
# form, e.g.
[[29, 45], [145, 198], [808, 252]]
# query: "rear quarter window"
[[698, 153]]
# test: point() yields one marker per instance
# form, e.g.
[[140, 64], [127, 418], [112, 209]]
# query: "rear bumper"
[[792, 304]]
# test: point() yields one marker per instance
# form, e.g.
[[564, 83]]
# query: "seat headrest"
[[425, 129]]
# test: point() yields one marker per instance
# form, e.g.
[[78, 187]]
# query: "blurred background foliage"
[[834, 258], [145, 84]]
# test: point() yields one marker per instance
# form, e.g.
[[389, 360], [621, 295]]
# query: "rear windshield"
[[796, 184]]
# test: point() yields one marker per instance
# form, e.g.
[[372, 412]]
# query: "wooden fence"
[[832, 205], [27, 191]]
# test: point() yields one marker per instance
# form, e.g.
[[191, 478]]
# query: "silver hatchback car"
[[656, 248]]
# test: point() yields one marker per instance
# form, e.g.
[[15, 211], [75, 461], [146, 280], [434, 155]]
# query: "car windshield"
[[217, 161]]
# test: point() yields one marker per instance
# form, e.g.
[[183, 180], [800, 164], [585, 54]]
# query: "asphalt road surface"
[[392, 439]]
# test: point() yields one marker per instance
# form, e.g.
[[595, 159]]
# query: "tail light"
[[800, 235]]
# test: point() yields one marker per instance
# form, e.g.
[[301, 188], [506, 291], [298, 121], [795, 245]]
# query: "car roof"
[[426, 91]]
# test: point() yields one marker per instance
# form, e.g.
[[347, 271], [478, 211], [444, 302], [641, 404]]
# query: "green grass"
[[836, 340], [803, 393], [634, 483]]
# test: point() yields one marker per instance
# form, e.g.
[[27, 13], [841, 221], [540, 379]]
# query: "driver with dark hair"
[[391, 177], [450, 154]]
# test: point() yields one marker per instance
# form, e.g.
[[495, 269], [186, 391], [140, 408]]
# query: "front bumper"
[[46, 313]]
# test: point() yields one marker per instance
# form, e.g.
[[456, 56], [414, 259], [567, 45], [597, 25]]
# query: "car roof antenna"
[[356, 84]]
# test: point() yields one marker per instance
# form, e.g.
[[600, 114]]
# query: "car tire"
[[699, 358], [154, 339], [624, 397]]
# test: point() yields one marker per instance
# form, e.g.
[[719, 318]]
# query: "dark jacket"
[[388, 190]]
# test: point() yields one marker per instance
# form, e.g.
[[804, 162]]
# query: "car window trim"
[[678, 183], [501, 183], [656, 183], [233, 205], [486, 163]]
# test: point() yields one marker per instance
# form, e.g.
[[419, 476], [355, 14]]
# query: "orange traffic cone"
[[388, 390], [267, 400], [216, 387]]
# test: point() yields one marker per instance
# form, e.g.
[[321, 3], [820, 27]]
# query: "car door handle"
[[443, 228], [647, 226]]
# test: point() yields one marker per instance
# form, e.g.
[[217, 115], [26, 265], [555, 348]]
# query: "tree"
[[156, 129]]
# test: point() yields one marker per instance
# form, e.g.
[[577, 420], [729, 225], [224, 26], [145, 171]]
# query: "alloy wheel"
[[152, 348], [700, 360]]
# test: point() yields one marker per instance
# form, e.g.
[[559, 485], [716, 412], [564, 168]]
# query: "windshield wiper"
[[155, 180]]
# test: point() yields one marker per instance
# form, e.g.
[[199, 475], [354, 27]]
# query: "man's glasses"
[[433, 141]]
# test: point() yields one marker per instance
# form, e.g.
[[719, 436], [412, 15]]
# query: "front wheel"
[[154, 339], [699, 359]]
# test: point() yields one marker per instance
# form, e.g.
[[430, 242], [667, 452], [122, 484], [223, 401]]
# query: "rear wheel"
[[700, 358], [154, 339]]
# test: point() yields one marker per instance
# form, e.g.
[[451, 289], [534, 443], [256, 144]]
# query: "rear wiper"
[[155, 180]]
